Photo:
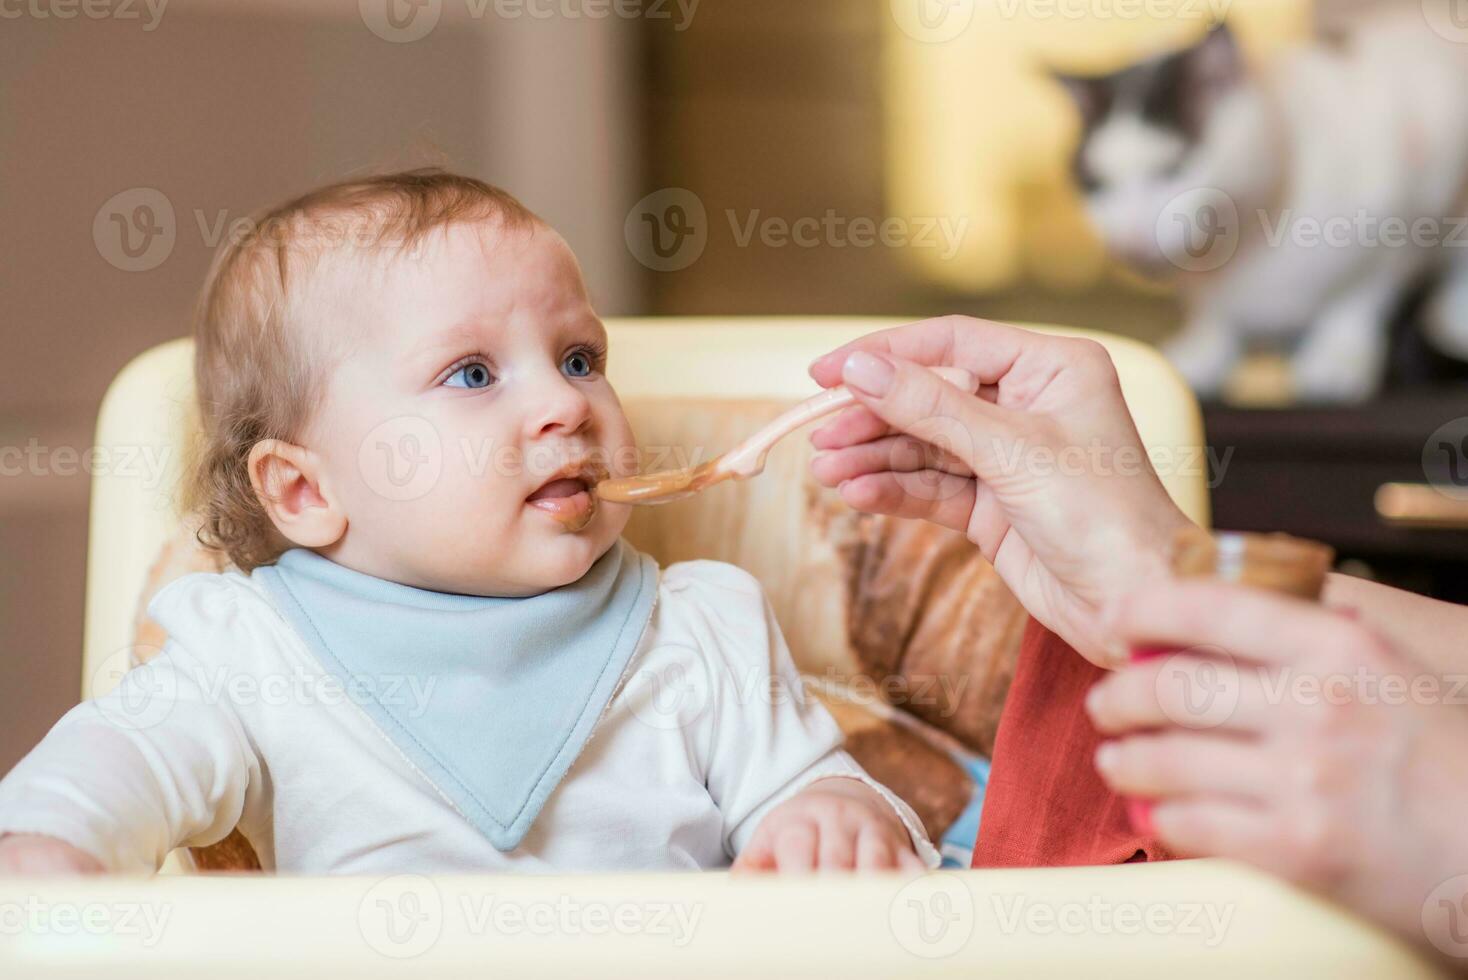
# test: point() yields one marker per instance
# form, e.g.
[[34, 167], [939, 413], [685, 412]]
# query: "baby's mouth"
[[568, 498], [560, 489]]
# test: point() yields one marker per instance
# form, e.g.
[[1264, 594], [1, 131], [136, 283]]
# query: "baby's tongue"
[[559, 488]]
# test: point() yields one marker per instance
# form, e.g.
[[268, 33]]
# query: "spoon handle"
[[747, 458]]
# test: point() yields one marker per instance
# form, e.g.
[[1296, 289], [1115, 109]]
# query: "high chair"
[[692, 386]]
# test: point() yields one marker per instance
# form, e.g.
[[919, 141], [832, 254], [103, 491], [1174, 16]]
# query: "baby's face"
[[470, 416]]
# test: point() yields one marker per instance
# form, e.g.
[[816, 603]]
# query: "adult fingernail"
[[869, 373], [1106, 756], [1093, 701], [1118, 654]]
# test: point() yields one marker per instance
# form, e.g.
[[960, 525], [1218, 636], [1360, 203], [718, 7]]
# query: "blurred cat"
[[1295, 207]]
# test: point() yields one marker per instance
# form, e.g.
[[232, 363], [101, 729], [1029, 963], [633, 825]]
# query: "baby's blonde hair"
[[259, 368]]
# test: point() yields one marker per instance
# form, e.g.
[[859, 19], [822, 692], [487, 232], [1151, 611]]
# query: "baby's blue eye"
[[577, 364], [470, 376]]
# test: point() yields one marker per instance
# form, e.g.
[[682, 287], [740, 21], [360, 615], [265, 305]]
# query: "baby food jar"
[[1274, 562]]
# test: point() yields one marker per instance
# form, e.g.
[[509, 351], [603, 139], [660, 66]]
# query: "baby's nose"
[[561, 408]]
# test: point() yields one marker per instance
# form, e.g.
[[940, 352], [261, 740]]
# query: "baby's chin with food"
[[578, 527]]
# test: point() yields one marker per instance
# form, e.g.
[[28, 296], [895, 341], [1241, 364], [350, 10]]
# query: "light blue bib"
[[517, 684]]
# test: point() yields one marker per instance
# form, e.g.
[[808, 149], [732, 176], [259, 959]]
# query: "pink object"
[[1150, 653], [1139, 811]]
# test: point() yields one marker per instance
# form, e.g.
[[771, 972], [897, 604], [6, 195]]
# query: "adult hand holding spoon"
[[1043, 469]]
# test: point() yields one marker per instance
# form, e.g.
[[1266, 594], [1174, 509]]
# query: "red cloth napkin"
[[1045, 805]]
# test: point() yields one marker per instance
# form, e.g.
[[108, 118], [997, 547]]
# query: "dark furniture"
[[1379, 482]]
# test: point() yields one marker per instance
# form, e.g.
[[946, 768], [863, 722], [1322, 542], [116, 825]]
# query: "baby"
[[434, 651]]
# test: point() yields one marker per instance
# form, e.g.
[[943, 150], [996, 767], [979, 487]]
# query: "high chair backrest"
[[692, 387]]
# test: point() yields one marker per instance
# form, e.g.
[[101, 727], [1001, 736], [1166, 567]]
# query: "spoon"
[[748, 458]]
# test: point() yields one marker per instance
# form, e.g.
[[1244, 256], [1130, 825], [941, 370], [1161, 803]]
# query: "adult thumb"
[[913, 399]]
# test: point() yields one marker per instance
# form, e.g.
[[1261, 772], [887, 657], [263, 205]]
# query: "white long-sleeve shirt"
[[236, 723]]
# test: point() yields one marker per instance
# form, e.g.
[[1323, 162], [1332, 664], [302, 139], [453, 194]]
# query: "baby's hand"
[[834, 823], [34, 854]]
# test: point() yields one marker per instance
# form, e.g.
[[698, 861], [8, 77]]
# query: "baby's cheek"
[[433, 491], [485, 496], [616, 444]]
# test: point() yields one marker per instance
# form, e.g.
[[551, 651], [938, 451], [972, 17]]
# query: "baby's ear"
[[291, 487]]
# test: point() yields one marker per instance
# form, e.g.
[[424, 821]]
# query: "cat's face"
[[1142, 141]]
